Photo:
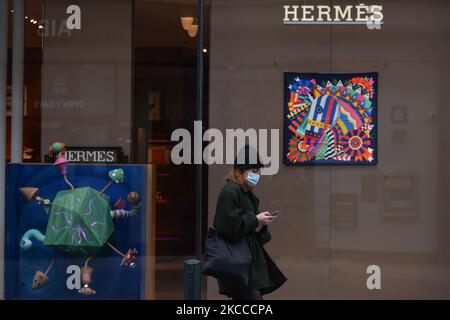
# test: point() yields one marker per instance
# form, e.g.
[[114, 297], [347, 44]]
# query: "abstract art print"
[[330, 119]]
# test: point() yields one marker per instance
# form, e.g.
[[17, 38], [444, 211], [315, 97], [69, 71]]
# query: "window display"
[[80, 224]]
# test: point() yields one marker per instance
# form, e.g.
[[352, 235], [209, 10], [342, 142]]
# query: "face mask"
[[253, 178]]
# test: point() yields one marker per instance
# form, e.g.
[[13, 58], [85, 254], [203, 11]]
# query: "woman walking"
[[237, 216]]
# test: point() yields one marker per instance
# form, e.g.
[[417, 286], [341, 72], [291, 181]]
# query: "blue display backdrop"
[[109, 279]]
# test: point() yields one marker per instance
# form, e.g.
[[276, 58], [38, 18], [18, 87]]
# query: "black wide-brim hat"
[[248, 154]]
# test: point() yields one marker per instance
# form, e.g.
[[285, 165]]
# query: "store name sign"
[[102, 156], [361, 14], [99, 155]]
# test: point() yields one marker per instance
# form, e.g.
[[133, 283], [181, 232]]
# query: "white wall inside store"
[[250, 50]]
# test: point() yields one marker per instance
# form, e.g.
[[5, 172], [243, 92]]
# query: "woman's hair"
[[237, 175]]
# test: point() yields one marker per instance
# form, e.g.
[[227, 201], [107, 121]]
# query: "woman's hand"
[[264, 219]]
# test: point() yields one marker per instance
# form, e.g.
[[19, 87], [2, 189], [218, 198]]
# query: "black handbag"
[[226, 260]]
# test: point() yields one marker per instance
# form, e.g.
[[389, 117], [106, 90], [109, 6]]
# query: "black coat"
[[235, 217]]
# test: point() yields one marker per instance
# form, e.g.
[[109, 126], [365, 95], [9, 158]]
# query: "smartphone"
[[275, 213]]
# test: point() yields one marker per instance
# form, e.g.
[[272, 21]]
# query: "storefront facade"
[[130, 74]]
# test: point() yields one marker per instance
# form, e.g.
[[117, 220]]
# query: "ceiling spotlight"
[[187, 22], [41, 27], [205, 50], [192, 31]]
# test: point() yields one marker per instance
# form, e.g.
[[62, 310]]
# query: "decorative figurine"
[[81, 221]]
